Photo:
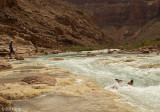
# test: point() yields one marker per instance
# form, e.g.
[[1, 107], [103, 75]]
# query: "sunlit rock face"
[[56, 23]]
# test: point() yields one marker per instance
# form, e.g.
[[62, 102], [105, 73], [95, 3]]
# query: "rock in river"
[[49, 80], [5, 66], [19, 57]]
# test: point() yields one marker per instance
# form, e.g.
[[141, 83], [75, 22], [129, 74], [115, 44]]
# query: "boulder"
[[57, 59], [145, 51], [56, 51], [49, 80], [90, 54], [5, 105], [113, 52], [154, 53], [19, 57], [110, 52], [5, 66]]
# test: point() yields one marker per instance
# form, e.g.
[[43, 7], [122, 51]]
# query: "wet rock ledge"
[[5, 66], [28, 83]]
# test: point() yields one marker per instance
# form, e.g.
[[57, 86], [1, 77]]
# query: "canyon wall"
[[123, 19], [120, 12], [49, 23]]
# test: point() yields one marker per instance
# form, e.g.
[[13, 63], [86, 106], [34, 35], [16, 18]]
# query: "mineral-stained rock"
[[5, 105], [49, 80], [5, 66]]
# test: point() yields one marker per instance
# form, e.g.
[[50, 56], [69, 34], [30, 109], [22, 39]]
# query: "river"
[[105, 68]]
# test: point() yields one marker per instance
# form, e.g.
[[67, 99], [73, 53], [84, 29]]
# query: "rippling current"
[[105, 68]]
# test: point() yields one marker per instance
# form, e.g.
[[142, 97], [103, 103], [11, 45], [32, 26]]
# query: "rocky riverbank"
[[154, 50], [23, 48], [5, 66], [26, 79]]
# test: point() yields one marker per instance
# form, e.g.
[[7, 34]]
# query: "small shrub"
[[143, 43], [81, 48], [26, 14], [158, 39], [140, 44], [15, 8], [158, 44]]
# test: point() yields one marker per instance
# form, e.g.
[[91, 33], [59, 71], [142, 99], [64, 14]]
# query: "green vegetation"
[[81, 48], [26, 14], [15, 8], [136, 45]]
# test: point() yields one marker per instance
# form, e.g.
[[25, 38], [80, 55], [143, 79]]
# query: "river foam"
[[144, 94]]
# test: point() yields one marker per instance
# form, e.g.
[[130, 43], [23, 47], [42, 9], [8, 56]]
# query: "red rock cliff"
[[126, 17], [120, 12], [49, 23]]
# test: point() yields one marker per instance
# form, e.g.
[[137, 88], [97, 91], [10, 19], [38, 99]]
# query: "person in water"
[[119, 81], [11, 49], [131, 82], [117, 85]]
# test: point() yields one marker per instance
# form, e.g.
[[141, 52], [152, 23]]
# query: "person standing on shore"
[[11, 49]]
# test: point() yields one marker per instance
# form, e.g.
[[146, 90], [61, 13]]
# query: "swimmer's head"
[[131, 82]]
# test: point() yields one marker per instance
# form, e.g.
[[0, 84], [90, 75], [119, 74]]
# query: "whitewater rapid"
[[104, 69]]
